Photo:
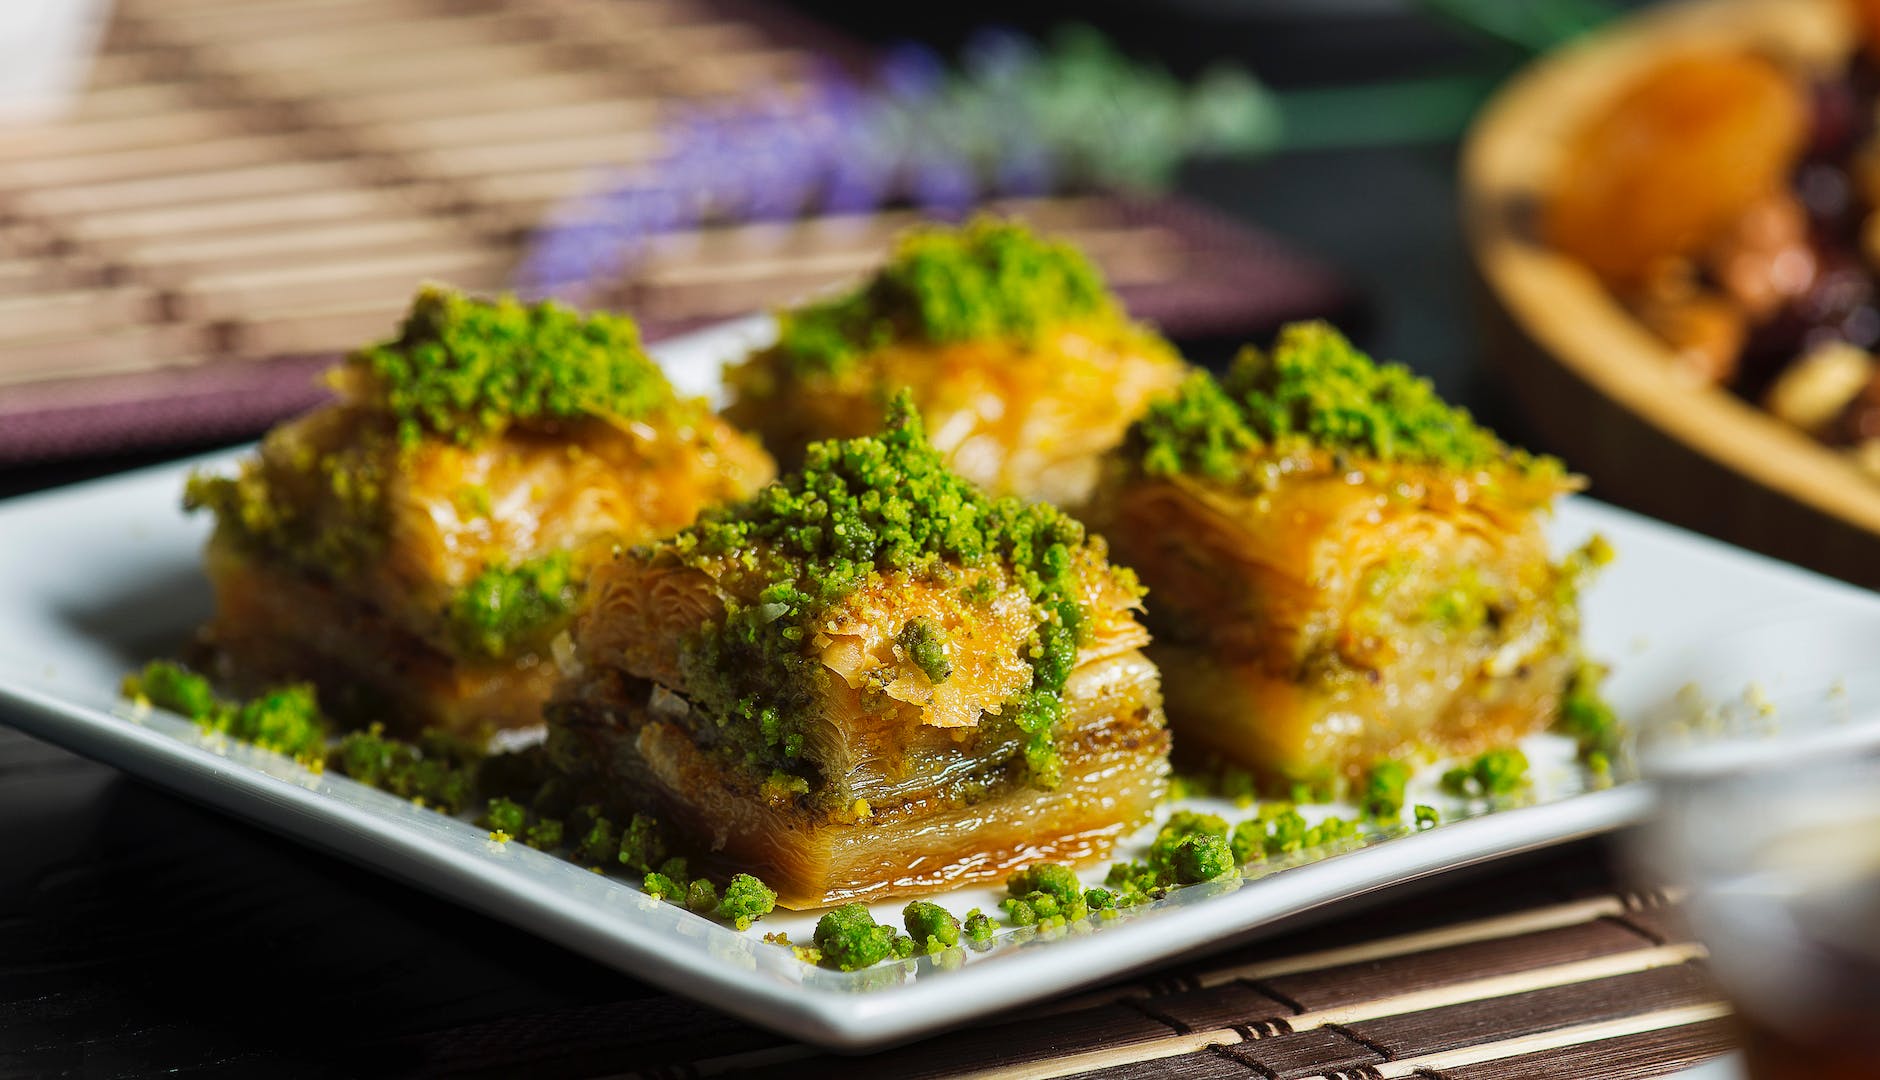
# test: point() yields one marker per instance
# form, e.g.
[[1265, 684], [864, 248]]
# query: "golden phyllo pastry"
[[871, 679], [1342, 568], [1023, 363], [416, 548]]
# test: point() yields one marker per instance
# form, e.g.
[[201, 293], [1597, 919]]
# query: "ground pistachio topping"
[[858, 508], [1383, 793], [848, 939], [521, 799], [507, 608], [286, 719], [926, 645], [1314, 390], [1498, 772], [990, 278], [932, 927], [463, 368], [253, 507], [1589, 718]]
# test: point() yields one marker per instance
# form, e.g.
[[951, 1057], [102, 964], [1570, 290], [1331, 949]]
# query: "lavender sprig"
[[1016, 120]]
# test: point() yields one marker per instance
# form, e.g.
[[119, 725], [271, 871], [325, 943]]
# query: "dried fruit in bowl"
[[1674, 161]]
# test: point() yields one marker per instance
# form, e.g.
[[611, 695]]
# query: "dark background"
[[139, 934]]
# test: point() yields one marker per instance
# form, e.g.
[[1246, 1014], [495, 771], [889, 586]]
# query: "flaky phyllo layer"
[[870, 680], [421, 542], [1342, 568], [1023, 364]]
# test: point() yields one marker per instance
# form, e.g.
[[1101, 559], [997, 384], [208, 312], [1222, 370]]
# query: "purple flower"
[[941, 182], [911, 72]]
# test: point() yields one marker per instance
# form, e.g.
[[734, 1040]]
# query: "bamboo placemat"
[[142, 935], [250, 180], [1495, 979], [1589, 987]]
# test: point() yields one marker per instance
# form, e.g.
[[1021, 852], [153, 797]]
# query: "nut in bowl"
[[1669, 219]]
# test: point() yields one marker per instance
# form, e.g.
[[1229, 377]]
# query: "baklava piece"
[[1342, 568], [415, 548], [1023, 363], [869, 680]]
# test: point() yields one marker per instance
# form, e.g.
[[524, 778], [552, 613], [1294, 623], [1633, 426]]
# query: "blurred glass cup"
[[46, 48], [1776, 837]]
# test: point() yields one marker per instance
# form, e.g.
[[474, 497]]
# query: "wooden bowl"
[[1597, 385]]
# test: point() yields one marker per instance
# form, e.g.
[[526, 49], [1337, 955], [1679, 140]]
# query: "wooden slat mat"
[[1566, 989], [1524, 974], [246, 180], [1537, 992], [141, 935]]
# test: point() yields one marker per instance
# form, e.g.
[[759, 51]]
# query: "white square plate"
[[99, 577]]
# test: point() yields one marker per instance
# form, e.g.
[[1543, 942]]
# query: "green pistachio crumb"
[[1330, 831], [1286, 833], [1314, 389], [1383, 793], [1501, 771], [1058, 881], [1587, 717], [1427, 817], [442, 781], [1248, 841], [850, 939], [701, 896], [545, 834], [1458, 780], [642, 844], [746, 899], [286, 719], [660, 887], [173, 687], [931, 926], [1201, 857], [506, 609], [1019, 912], [926, 645], [1099, 899], [978, 927], [464, 368], [505, 815], [600, 843], [1188, 822], [942, 285], [1189, 848]]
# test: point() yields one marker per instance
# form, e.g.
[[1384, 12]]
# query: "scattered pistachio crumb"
[[978, 927], [848, 938]]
